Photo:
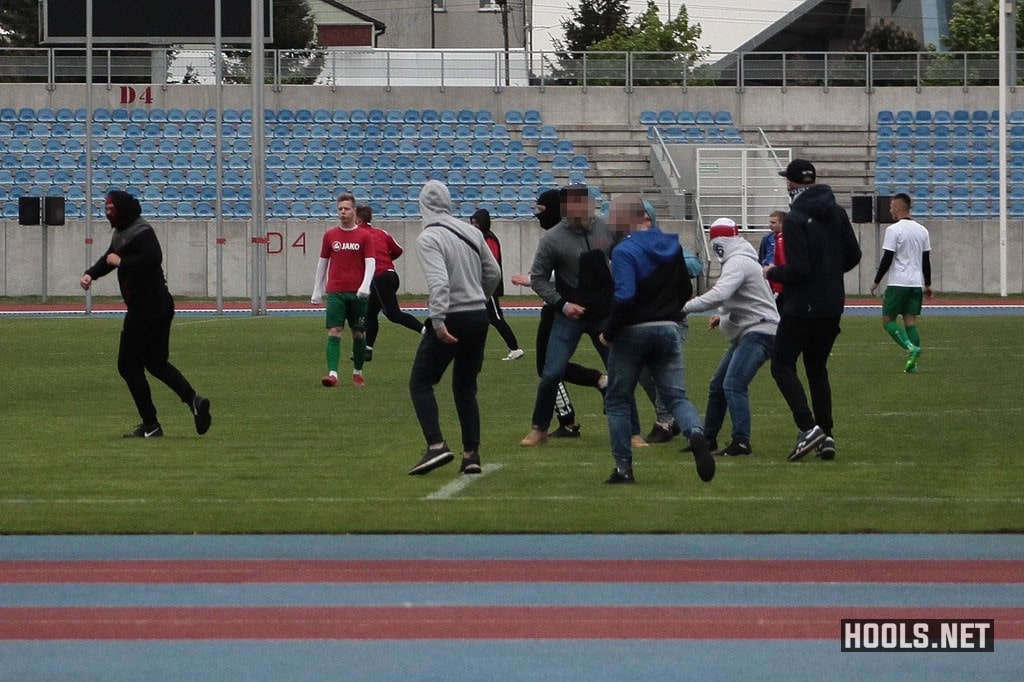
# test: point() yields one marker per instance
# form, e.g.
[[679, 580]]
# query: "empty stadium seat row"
[[177, 115], [685, 117], [958, 116], [678, 134]]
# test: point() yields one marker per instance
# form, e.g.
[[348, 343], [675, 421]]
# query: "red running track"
[[465, 622], [918, 571]]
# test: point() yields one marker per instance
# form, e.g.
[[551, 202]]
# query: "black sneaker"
[[146, 431], [826, 449], [736, 448], [566, 431], [201, 413], [621, 476], [432, 458], [471, 464], [805, 442], [702, 457], [659, 434], [712, 445]]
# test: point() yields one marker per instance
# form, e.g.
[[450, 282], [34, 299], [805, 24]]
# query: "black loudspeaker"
[[28, 210], [53, 210], [882, 214], [861, 210]]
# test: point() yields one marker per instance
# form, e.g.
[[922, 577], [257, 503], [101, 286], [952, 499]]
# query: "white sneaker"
[[515, 354]]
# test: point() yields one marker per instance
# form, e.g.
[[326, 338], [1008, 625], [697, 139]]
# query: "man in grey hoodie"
[[461, 274], [748, 317]]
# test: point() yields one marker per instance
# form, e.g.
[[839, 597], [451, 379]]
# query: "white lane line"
[[460, 483]]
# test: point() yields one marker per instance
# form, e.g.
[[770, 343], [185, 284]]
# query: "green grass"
[[935, 452]]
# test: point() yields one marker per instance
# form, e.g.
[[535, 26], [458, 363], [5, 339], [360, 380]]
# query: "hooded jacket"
[[741, 293], [820, 247], [482, 218], [651, 281], [460, 271], [578, 257], [140, 275]]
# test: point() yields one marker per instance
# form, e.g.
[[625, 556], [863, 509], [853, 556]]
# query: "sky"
[[726, 24]]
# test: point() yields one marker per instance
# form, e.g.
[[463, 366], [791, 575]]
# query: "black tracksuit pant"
[[145, 346]]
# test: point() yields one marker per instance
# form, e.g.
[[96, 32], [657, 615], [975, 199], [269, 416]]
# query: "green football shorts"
[[346, 307], [902, 301]]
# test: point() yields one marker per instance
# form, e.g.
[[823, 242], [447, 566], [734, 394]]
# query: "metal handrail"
[[629, 70]]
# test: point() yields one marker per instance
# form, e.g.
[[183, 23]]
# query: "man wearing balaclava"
[[145, 336]]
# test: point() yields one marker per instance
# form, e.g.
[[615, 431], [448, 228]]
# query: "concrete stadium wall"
[[965, 256], [966, 252]]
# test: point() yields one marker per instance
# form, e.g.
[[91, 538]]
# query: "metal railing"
[[514, 68]]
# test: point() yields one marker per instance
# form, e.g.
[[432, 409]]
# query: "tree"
[[295, 34], [886, 36], [974, 27], [647, 33], [591, 22], [662, 51], [19, 23]]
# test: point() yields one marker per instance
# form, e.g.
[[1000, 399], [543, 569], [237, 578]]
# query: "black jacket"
[[820, 247], [140, 275]]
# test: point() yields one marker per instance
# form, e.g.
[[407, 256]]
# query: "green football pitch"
[[939, 451]]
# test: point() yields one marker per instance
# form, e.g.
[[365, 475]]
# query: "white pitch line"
[[460, 483]]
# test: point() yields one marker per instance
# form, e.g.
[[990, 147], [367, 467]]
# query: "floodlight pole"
[[88, 148], [1007, 30], [258, 225], [219, 218]]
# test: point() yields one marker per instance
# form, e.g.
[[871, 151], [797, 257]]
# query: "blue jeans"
[[562, 343], [657, 347], [729, 385]]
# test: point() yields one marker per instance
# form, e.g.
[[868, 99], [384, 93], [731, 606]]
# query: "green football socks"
[[898, 335], [333, 353]]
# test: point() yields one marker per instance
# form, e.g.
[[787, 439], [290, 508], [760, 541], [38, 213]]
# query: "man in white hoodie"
[[748, 317], [461, 275]]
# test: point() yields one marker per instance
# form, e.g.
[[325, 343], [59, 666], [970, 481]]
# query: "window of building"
[[439, 5], [491, 5]]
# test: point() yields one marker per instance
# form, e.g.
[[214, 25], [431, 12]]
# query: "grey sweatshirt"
[[559, 251], [457, 278], [741, 292]]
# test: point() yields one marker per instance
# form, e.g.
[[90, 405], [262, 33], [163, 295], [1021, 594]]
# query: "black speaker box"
[[882, 214], [861, 209], [28, 210], [53, 210]]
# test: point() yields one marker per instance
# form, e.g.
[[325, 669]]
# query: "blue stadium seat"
[[532, 116], [942, 116], [904, 117], [885, 117], [704, 117]]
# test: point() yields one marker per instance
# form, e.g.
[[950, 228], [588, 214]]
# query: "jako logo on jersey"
[[344, 246]]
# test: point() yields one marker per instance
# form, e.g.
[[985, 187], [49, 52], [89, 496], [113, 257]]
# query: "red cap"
[[723, 227]]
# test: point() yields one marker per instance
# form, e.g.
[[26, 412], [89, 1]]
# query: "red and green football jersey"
[[345, 251]]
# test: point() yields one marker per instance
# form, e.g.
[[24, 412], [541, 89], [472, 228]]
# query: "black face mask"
[[126, 209], [552, 212]]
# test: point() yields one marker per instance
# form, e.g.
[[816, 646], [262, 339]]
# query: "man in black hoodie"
[[145, 337], [820, 247]]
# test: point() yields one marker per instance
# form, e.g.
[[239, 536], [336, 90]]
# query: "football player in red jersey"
[[345, 271]]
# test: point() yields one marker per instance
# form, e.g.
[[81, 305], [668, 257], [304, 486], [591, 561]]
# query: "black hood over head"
[[482, 218], [126, 209], [552, 212]]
